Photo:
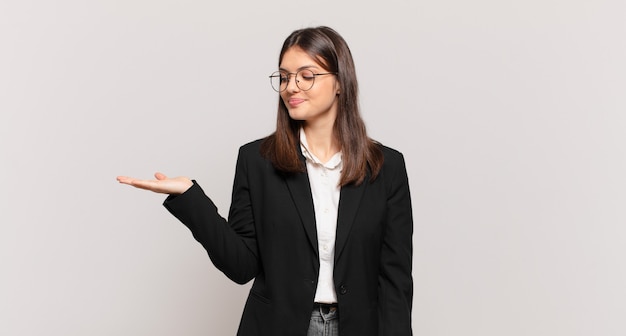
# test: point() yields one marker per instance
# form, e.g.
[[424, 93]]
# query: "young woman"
[[321, 214]]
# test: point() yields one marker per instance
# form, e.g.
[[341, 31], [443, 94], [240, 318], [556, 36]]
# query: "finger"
[[141, 184], [160, 176], [125, 179], [145, 184]]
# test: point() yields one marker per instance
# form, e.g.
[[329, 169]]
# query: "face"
[[316, 105]]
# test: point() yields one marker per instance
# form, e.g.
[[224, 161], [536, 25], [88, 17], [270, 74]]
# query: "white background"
[[511, 116]]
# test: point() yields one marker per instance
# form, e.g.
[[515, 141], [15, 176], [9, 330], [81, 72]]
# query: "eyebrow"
[[302, 67]]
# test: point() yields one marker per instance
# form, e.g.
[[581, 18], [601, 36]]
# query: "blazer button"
[[343, 290]]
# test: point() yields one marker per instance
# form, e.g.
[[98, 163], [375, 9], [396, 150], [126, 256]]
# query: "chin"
[[296, 116]]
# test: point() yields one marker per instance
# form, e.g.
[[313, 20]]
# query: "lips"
[[295, 101]]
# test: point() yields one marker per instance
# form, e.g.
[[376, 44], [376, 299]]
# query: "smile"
[[295, 101]]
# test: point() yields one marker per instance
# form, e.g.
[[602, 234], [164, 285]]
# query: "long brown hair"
[[359, 152]]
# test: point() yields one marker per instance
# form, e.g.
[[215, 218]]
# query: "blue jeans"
[[324, 324]]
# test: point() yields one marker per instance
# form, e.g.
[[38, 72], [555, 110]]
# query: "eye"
[[283, 78], [307, 75]]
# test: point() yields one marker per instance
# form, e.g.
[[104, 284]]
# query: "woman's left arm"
[[395, 279]]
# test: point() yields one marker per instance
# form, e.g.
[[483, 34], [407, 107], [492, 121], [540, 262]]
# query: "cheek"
[[283, 97]]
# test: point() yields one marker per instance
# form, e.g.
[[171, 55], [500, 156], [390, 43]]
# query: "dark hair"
[[359, 152]]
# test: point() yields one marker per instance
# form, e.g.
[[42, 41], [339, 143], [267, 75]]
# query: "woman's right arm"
[[231, 245]]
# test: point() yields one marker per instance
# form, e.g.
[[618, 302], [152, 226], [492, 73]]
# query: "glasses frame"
[[279, 73]]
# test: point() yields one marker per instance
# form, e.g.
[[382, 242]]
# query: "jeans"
[[324, 324]]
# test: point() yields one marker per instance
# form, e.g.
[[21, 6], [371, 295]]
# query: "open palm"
[[162, 184]]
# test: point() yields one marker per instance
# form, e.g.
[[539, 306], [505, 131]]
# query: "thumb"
[[160, 176]]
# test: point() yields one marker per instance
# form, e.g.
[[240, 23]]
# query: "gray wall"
[[511, 115]]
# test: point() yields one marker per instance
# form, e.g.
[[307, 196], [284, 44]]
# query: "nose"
[[292, 87]]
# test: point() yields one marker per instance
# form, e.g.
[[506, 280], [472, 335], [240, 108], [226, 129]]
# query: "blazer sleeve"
[[395, 279], [231, 244]]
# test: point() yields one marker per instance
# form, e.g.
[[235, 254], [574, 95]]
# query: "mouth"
[[293, 102]]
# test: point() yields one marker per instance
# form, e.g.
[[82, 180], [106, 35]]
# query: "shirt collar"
[[334, 162]]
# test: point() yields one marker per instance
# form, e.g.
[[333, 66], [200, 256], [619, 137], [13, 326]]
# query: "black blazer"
[[270, 236]]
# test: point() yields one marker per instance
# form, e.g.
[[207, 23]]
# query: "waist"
[[325, 307]]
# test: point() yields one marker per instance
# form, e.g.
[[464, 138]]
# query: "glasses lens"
[[305, 79], [279, 81]]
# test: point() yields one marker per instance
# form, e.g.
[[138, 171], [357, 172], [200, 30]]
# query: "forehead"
[[295, 58]]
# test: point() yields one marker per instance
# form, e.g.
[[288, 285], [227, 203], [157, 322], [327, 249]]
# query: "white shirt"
[[324, 180]]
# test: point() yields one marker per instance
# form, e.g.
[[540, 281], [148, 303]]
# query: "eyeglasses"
[[305, 79]]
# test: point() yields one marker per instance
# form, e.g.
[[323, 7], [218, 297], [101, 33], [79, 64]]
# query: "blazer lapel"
[[300, 190], [349, 201]]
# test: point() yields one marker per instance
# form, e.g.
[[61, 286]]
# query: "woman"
[[320, 216]]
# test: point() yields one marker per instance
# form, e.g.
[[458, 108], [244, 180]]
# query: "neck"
[[322, 141]]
